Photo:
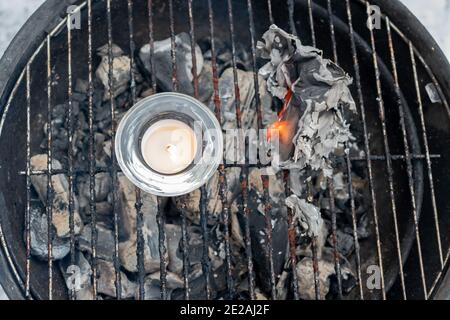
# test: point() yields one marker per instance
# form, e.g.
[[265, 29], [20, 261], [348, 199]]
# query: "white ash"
[[121, 74], [105, 242], [205, 83], [173, 238], [106, 282], [152, 285], [340, 187], [39, 237], [247, 102], [320, 92], [162, 62], [305, 275], [128, 235], [305, 250], [60, 203], [307, 215]]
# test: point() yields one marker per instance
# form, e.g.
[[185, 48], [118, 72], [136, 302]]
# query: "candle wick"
[[171, 149]]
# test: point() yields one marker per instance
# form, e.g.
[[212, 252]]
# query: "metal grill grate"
[[428, 280]]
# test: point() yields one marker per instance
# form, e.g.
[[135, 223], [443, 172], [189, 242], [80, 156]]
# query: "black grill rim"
[[50, 13]]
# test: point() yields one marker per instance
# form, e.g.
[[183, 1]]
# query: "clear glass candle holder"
[[163, 106]]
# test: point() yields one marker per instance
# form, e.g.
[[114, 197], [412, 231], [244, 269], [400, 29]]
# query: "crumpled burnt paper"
[[315, 91], [306, 215]]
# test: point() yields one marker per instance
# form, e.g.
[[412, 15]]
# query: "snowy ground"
[[12, 15], [434, 14]]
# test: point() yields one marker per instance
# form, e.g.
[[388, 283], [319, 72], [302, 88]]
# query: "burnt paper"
[[315, 94]]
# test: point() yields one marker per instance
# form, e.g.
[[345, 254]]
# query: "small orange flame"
[[280, 125]]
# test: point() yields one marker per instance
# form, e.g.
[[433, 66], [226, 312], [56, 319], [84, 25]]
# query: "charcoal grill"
[[401, 85]]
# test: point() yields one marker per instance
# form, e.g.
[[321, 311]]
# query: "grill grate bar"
[[269, 8], [439, 277], [203, 193], [265, 179], [161, 221], [152, 44], [27, 210], [92, 208], [291, 9], [349, 173], [244, 171], [316, 270], [310, 196], [160, 216], [367, 148], [315, 261], [222, 177], [49, 170], [430, 177], [353, 159], [431, 75], [70, 147], [386, 143], [427, 155], [206, 263], [311, 23], [193, 51], [185, 248], [118, 280], [337, 265], [330, 181], [291, 237], [184, 235], [332, 32], [366, 143], [173, 48], [405, 142], [354, 225], [139, 214]]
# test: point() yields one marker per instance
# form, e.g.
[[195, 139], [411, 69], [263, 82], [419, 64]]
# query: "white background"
[[434, 14]]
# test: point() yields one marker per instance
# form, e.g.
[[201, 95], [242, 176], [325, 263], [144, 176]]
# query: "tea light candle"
[[169, 146]]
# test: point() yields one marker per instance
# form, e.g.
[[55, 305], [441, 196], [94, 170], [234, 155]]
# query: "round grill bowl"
[[429, 156]]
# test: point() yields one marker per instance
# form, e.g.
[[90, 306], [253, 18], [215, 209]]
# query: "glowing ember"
[[287, 100], [280, 125]]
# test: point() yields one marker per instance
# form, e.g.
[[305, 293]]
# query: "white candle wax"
[[169, 146]]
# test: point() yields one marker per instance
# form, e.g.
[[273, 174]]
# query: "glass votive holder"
[[169, 144]]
